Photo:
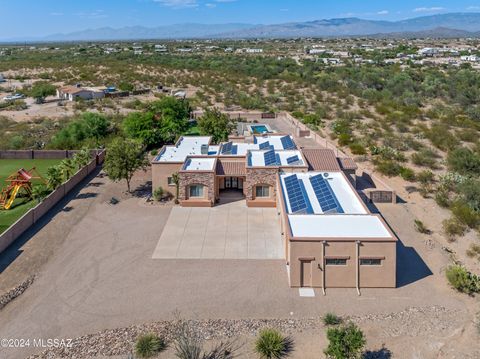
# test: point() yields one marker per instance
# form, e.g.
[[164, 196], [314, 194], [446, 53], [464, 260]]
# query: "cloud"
[[473, 8], [225, 0], [429, 9], [56, 14], [178, 4], [210, 5], [96, 14], [383, 12]]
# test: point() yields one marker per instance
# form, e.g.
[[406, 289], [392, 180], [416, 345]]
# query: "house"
[[71, 93], [330, 237]]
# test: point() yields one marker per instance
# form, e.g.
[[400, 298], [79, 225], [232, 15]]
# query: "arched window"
[[196, 191]]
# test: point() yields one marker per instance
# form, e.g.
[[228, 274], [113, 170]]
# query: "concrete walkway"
[[228, 231]]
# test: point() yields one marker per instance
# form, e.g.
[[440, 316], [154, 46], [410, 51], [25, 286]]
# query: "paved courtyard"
[[228, 231]]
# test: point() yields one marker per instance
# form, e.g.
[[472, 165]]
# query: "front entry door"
[[305, 274], [232, 182]]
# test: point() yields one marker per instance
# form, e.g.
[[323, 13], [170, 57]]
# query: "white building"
[[71, 93]]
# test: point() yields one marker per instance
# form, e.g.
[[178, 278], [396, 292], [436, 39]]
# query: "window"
[[170, 181], [370, 261], [262, 191], [336, 261], [196, 191]]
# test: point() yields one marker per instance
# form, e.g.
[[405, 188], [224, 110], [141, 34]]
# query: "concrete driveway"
[[228, 231]]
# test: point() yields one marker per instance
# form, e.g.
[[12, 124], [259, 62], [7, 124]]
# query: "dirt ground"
[[95, 271]]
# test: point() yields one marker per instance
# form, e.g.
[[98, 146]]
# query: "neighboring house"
[[71, 93], [331, 238]]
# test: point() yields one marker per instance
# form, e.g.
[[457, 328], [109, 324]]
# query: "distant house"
[[71, 93], [253, 51], [2, 79]]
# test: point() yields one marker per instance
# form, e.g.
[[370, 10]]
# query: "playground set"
[[17, 182]]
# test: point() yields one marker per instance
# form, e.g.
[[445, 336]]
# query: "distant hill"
[[437, 33], [443, 25], [468, 22]]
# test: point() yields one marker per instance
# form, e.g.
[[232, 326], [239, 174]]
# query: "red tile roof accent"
[[231, 168], [347, 163], [321, 159]]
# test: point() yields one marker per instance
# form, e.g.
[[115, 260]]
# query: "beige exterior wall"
[[160, 174], [342, 276]]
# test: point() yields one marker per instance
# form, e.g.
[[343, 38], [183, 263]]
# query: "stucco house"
[[331, 239]]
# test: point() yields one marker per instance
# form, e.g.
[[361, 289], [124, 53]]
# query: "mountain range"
[[442, 25]]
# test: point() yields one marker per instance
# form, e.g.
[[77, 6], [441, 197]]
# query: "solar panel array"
[[324, 194], [264, 146], [270, 158], [287, 143], [293, 159], [295, 194], [227, 148]]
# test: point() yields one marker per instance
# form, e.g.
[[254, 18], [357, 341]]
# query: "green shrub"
[[345, 342], [473, 250], [159, 194], [388, 167], [154, 152], [357, 149], [462, 280], [426, 177], [464, 161], [148, 345], [344, 139], [442, 197], [453, 227], [420, 227], [331, 319], [272, 344], [465, 214], [407, 174]]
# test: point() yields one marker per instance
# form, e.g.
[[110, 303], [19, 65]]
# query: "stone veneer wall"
[[257, 176], [189, 178]]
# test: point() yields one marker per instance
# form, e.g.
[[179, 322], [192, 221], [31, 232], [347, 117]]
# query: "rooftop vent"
[[204, 150]]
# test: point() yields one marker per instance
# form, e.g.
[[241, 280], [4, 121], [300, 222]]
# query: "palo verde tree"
[[42, 89], [216, 124], [124, 157]]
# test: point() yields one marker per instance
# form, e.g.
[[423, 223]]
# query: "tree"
[[346, 342], [176, 180], [173, 115], [42, 89], [143, 126], [216, 124], [124, 157], [95, 125]]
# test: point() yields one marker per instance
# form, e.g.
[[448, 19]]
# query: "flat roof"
[[341, 189], [338, 226], [186, 146], [275, 140], [257, 158], [199, 164]]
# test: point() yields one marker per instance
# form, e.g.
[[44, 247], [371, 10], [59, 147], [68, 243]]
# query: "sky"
[[27, 18]]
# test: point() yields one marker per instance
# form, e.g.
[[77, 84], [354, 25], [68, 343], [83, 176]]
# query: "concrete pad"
[[306, 292], [229, 231]]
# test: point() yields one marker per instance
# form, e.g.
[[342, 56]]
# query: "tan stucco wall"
[[160, 173], [383, 276]]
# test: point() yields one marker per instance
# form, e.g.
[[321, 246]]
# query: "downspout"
[[357, 279], [323, 267]]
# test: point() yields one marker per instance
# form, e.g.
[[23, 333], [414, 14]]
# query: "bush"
[[462, 280], [407, 174], [346, 342], [464, 161], [149, 345], [272, 344], [453, 227], [473, 250], [420, 227], [331, 319], [357, 149], [465, 214], [388, 168], [159, 193], [442, 198]]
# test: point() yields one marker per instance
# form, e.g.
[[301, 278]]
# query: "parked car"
[[17, 96]]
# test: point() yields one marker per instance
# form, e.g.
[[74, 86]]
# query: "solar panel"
[[325, 195], [293, 159], [270, 158], [295, 194], [227, 148], [264, 146], [287, 143]]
